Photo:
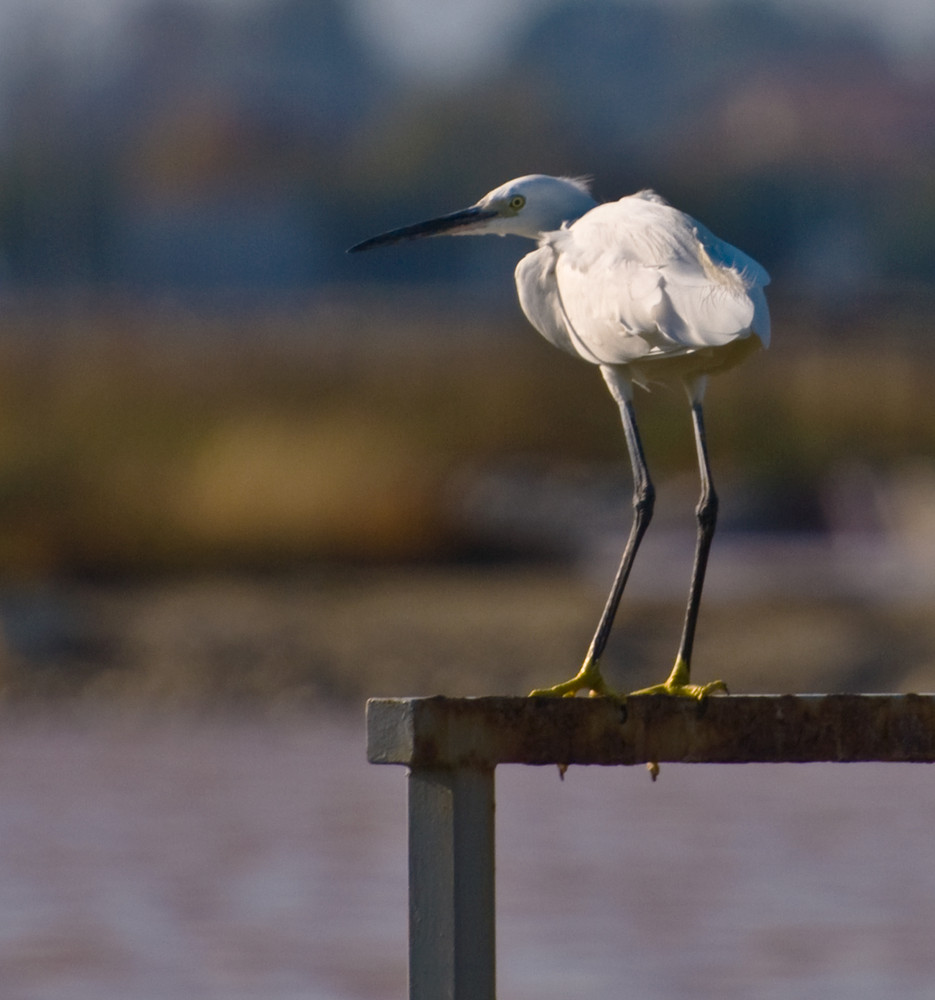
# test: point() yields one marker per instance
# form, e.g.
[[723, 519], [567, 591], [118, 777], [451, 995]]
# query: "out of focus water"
[[145, 858]]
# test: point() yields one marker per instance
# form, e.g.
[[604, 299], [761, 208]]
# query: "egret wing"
[[637, 278], [538, 296]]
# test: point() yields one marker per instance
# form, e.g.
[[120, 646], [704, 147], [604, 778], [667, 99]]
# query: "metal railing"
[[452, 747]]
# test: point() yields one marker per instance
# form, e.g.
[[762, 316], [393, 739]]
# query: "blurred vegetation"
[[133, 443], [146, 461], [195, 380]]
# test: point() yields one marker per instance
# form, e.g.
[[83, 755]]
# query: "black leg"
[[679, 681], [706, 514], [644, 496], [589, 676]]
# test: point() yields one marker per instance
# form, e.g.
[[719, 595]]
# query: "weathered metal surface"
[[452, 938], [738, 729]]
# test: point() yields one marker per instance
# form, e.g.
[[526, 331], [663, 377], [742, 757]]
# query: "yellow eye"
[[517, 202]]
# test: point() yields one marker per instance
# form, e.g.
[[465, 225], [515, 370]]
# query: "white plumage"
[[647, 293], [636, 281]]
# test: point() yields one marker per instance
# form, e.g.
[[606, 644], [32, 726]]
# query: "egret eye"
[[517, 202]]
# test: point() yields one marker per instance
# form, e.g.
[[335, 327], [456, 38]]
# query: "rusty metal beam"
[[739, 729]]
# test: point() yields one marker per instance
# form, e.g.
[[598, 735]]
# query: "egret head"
[[526, 206]]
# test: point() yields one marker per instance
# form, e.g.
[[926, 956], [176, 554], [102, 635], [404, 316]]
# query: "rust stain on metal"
[[484, 732]]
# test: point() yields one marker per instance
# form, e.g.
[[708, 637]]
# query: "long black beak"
[[463, 220]]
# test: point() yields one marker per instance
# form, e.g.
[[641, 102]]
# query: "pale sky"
[[461, 32], [451, 38]]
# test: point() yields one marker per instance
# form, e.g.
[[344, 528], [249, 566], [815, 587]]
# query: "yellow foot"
[[679, 686], [587, 679], [698, 691]]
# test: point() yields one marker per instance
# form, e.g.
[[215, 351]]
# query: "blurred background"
[[247, 481], [235, 461]]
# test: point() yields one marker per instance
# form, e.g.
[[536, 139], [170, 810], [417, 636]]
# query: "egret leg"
[[679, 681], [589, 677]]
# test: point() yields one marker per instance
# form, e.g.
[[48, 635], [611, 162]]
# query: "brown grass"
[[136, 442]]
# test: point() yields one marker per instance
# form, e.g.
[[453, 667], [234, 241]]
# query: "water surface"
[[144, 858]]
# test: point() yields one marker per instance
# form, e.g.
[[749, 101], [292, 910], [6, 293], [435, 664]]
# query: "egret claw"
[[698, 691], [679, 685], [588, 679]]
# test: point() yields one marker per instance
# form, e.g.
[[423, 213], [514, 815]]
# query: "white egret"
[[646, 293]]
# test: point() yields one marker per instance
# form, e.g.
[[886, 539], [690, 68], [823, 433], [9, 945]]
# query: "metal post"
[[452, 747], [452, 940]]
